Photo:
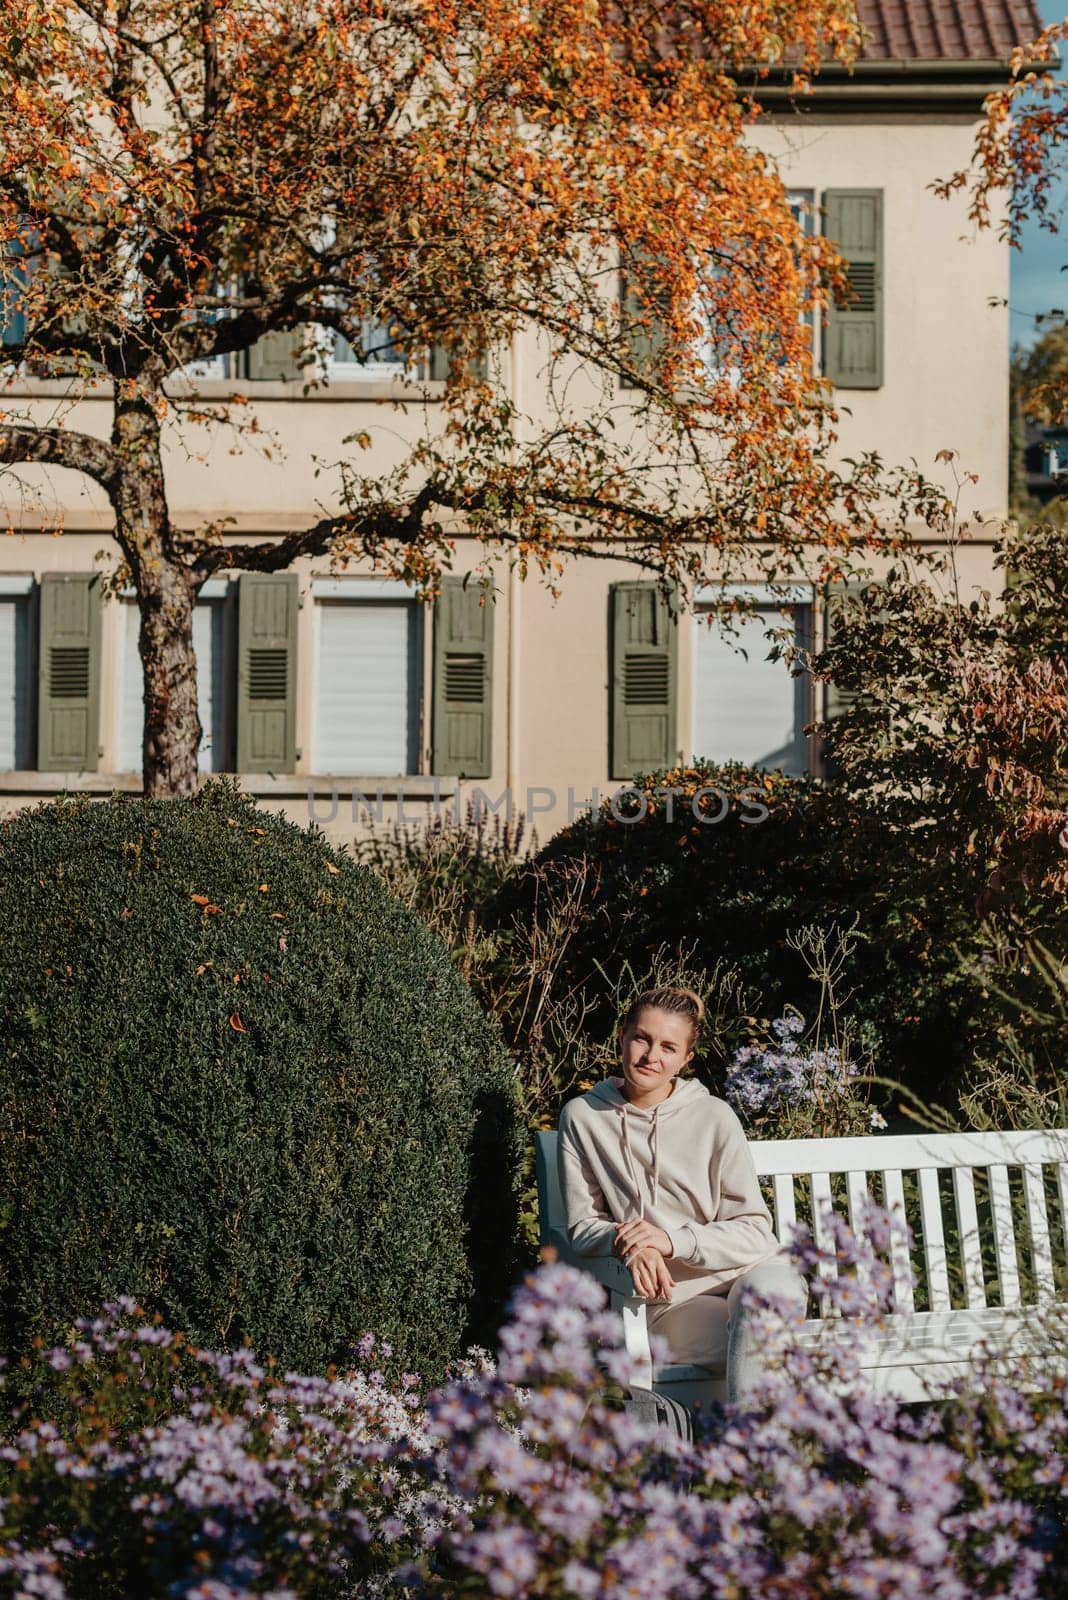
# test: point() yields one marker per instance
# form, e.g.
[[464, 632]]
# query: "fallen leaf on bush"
[[282, 945], [279, 916], [200, 899], [203, 967], [260, 832], [330, 867], [264, 888], [236, 1023]]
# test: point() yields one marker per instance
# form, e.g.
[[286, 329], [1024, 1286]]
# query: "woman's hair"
[[683, 1002]]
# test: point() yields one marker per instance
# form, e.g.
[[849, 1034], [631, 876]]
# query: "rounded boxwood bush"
[[242, 1084]]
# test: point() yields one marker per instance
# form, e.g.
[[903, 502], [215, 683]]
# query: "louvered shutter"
[[463, 681], [440, 364], [274, 358], [837, 701], [644, 652], [68, 680], [644, 335], [267, 672], [853, 351]]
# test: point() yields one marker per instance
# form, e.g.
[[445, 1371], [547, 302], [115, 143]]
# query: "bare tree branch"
[[61, 447]]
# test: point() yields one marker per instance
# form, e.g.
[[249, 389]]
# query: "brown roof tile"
[[947, 30]]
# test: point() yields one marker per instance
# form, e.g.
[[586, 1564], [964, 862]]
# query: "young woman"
[[656, 1170]]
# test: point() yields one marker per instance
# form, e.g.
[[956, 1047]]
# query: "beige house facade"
[[339, 698]]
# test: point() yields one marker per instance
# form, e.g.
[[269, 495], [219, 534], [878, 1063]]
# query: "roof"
[[947, 30]]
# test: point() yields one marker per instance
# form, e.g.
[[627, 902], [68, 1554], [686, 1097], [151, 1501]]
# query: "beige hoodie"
[[683, 1165]]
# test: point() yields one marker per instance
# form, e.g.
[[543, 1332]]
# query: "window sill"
[[265, 785], [378, 389]]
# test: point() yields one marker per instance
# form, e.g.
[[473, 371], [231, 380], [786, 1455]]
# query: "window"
[[214, 645], [378, 358], [367, 678], [16, 676], [852, 345], [747, 708]]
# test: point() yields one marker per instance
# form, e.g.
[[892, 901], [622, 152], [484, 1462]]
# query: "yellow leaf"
[[330, 867]]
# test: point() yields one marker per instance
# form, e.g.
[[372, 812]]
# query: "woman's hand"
[[651, 1277], [631, 1236]]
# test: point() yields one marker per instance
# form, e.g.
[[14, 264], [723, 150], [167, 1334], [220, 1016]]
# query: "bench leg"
[[636, 1340]]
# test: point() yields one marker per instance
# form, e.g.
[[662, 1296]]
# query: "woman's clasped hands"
[[645, 1248]]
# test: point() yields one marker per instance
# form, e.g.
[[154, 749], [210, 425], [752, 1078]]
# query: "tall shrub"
[[241, 1083]]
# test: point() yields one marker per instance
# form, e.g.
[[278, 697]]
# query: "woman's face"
[[653, 1051]]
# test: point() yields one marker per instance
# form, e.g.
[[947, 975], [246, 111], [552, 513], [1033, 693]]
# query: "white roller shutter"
[[209, 620], [15, 685], [366, 721], [747, 710]]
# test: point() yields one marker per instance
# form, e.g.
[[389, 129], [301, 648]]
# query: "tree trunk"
[[166, 594]]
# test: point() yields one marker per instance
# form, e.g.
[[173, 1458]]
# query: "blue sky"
[[1037, 282]]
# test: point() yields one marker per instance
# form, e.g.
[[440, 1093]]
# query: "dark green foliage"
[[942, 841], [735, 890], [242, 1084]]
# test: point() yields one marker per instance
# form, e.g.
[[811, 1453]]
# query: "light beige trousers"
[[712, 1330]]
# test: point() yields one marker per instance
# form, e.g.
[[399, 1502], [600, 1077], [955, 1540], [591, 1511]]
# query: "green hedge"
[[242, 1084], [735, 889]]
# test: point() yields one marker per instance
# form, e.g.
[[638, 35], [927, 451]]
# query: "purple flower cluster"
[[143, 1466], [762, 1079], [765, 1081]]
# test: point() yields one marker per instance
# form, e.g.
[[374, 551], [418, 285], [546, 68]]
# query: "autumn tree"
[[181, 179]]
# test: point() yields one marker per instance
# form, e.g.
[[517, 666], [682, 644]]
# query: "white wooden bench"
[[990, 1215]]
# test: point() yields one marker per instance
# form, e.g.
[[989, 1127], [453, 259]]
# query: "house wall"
[[945, 388]]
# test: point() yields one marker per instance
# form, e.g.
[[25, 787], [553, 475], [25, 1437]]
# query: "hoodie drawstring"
[[629, 1164]]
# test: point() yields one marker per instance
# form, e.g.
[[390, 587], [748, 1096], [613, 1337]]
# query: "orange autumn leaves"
[[462, 177]]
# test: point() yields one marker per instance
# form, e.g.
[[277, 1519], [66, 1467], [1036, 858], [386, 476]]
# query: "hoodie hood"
[[686, 1094]]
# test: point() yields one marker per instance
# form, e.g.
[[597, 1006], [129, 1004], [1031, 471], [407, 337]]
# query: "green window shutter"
[[68, 677], [837, 701], [463, 682], [853, 346], [644, 680], [267, 672], [275, 357], [644, 337], [440, 364]]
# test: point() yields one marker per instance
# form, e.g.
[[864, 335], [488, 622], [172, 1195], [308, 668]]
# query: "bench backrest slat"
[[934, 1239], [782, 1189], [900, 1267], [1004, 1235], [857, 1195], [1038, 1224], [819, 1184], [968, 1230]]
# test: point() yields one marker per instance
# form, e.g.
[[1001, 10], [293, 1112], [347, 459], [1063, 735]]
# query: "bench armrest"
[[608, 1270]]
